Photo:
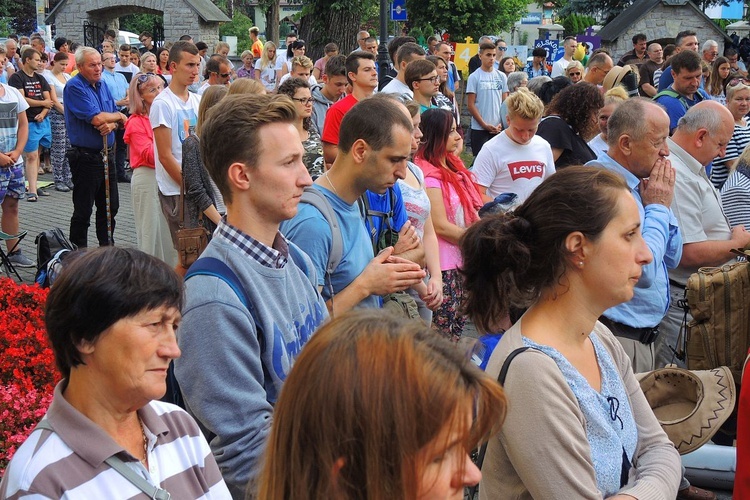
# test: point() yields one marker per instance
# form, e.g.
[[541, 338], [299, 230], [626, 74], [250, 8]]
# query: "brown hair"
[[211, 96], [246, 86], [369, 393], [236, 116], [509, 259]]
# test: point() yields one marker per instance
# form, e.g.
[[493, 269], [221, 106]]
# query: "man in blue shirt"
[[91, 116], [374, 144], [685, 91], [637, 151]]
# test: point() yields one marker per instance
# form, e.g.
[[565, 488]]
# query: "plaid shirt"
[[274, 257]]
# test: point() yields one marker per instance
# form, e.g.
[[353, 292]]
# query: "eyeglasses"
[[433, 79], [303, 100]]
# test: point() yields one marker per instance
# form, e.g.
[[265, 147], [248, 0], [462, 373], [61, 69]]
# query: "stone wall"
[[178, 18], [665, 22]]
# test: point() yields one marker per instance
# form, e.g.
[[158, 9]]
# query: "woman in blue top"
[[578, 425]]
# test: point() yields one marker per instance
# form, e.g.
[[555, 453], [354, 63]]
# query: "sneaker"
[[60, 186], [18, 259]]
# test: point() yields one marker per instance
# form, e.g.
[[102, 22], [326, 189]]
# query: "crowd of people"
[[320, 343]]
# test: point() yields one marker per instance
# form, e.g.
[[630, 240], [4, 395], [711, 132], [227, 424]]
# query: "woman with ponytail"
[[455, 200], [578, 425]]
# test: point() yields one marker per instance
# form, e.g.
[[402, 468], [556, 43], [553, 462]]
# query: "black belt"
[[678, 285], [93, 151], [643, 335]]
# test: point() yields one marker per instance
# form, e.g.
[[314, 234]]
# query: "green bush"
[[238, 27]]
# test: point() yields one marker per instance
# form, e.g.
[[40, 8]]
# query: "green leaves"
[[462, 18]]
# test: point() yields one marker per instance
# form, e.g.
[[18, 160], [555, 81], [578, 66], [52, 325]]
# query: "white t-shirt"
[[559, 67], [267, 76], [54, 82], [130, 68], [598, 146], [489, 87], [312, 81], [180, 117], [12, 103], [396, 87], [505, 166]]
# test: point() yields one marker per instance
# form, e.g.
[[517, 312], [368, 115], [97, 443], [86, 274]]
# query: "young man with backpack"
[[374, 144], [251, 303], [685, 91]]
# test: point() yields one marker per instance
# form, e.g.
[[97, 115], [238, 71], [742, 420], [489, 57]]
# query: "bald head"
[[705, 130]]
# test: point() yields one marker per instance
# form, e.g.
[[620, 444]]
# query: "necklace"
[[331, 184], [145, 442]]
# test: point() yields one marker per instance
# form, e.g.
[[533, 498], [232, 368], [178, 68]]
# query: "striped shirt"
[[69, 462], [735, 197], [735, 146]]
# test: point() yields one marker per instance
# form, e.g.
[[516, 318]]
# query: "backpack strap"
[[117, 464], [671, 93], [210, 266], [314, 197], [500, 378]]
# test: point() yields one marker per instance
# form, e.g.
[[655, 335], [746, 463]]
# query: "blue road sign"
[[398, 10]]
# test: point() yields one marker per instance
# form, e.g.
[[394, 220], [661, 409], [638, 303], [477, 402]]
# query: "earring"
[[580, 263]]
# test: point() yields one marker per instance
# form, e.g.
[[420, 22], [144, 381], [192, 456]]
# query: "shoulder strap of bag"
[[671, 93], [117, 464], [500, 378], [313, 197]]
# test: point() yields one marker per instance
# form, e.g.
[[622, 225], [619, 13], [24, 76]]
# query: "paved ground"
[[55, 211]]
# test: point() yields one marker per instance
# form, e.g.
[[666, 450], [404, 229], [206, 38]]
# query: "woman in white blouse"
[[57, 78]]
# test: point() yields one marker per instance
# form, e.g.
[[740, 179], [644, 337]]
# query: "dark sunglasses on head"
[[737, 81], [144, 77]]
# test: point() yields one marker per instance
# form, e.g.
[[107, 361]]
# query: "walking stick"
[[105, 159]]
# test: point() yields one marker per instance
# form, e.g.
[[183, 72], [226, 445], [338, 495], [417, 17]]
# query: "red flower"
[[27, 365]]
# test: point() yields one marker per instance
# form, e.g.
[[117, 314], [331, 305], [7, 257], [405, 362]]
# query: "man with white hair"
[[710, 51], [362, 37]]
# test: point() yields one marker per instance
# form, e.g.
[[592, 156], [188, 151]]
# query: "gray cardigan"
[[199, 194], [542, 451]]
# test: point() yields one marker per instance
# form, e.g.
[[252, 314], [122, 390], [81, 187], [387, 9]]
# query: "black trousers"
[[478, 138], [87, 168]]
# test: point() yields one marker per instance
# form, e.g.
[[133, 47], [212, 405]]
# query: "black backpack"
[[52, 248]]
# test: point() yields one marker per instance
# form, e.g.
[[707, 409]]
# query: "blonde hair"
[[615, 95], [303, 61], [266, 61], [524, 104], [137, 106], [360, 413], [573, 65], [246, 86]]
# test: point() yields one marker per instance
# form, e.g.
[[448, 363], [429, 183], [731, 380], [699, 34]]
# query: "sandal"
[[32, 197], [42, 192]]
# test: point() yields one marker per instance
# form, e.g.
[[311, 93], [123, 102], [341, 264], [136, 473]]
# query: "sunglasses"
[[738, 81], [143, 78], [577, 73], [502, 48]]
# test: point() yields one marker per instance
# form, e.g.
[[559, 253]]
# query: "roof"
[[204, 8], [208, 11], [641, 8]]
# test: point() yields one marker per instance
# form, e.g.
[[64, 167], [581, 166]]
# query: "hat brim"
[[690, 405]]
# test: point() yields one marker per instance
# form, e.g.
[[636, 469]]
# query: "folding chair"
[[5, 257]]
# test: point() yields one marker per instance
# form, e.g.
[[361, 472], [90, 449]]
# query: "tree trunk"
[[272, 22], [324, 25]]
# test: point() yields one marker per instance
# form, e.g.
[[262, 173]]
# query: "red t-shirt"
[[333, 119]]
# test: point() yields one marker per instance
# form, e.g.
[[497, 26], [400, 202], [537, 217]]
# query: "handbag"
[[190, 241]]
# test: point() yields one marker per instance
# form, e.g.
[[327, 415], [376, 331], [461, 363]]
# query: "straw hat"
[[622, 75], [690, 405]]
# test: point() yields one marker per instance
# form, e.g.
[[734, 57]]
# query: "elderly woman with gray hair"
[[516, 80]]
